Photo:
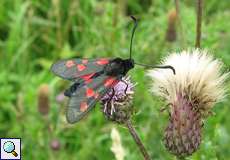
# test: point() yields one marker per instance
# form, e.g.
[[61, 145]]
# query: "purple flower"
[[60, 97], [55, 144], [116, 103]]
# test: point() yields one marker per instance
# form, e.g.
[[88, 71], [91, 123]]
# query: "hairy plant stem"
[[137, 140], [199, 23]]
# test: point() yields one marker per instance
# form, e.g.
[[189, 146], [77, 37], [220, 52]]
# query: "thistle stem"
[[137, 140], [199, 23]]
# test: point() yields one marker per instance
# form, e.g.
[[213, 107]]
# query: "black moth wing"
[[74, 68], [85, 97]]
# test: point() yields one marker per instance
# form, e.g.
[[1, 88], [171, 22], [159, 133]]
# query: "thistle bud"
[[43, 99], [171, 30], [191, 93], [117, 102]]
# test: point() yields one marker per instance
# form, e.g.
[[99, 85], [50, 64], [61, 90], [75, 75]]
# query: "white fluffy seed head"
[[198, 77]]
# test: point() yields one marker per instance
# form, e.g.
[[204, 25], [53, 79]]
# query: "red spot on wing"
[[81, 67], [87, 76], [89, 92], [85, 61], [83, 106], [102, 61], [69, 63], [110, 81]]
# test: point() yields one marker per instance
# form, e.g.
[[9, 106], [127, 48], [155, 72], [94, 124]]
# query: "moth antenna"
[[130, 50], [133, 31], [161, 67]]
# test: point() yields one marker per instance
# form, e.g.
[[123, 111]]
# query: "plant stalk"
[[199, 23], [137, 140]]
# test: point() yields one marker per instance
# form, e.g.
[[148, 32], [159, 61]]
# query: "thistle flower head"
[[117, 102], [198, 78], [191, 93]]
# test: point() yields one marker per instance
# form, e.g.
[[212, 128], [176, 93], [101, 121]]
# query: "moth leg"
[[105, 107], [112, 108], [126, 88], [111, 101]]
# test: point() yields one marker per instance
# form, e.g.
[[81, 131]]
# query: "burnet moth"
[[93, 78]]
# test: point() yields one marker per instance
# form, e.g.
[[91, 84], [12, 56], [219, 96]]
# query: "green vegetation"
[[36, 33]]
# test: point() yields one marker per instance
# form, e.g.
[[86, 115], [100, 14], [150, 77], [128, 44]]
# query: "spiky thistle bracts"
[[116, 104], [182, 136], [191, 93]]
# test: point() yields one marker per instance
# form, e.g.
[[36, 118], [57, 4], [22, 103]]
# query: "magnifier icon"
[[9, 147]]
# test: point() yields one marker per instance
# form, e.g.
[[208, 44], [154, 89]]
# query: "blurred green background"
[[36, 33]]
